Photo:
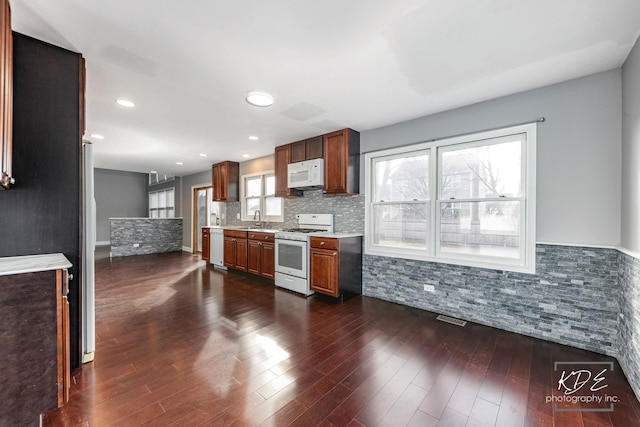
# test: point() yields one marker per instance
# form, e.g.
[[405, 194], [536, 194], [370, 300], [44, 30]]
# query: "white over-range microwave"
[[309, 173]]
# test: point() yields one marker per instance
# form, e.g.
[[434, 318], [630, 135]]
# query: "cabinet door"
[[241, 255], [223, 181], [253, 257], [336, 162], [282, 160], [215, 182], [314, 148], [206, 255], [324, 271], [229, 251], [298, 152], [268, 260]]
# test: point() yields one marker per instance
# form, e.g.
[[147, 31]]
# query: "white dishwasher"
[[216, 256]]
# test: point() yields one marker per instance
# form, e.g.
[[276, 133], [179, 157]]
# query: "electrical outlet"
[[238, 215], [429, 288], [136, 245]]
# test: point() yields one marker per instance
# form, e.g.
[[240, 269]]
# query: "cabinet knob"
[[70, 277], [335, 253], [321, 243]]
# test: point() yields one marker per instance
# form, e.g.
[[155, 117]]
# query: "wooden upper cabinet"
[[342, 162], [307, 149], [6, 95], [282, 160], [225, 178]]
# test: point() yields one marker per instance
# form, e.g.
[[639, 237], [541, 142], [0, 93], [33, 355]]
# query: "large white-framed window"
[[258, 194], [468, 200], [162, 203]]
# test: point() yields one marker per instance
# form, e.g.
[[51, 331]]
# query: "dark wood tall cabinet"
[[282, 158], [6, 96], [225, 178], [342, 162]]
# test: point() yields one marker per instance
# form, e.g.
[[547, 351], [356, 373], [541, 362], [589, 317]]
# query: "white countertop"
[[339, 235], [32, 263]]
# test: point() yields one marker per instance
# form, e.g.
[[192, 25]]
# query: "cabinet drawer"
[[263, 237], [235, 233], [324, 243]]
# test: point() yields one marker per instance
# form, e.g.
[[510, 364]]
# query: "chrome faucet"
[[259, 222]]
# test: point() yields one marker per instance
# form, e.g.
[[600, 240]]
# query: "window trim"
[[525, 264], [243, 197]]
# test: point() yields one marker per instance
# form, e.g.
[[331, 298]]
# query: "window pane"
[[251, 205], [253, 186], [270, 185], [153, 200], [171, 214], [486, 171], [170, 198], [153, 214], [481, 228], [162, 213], [401, 179], [273, 206], [162, 199], [401, 225]]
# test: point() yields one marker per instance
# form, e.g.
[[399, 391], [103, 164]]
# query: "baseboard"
[[187, 249]]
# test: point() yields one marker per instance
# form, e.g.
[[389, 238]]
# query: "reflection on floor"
[[179, 343]]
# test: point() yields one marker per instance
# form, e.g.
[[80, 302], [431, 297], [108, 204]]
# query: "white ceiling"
[[330, 64]]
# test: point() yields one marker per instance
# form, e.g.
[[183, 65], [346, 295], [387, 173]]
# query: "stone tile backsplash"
[[629, 329]]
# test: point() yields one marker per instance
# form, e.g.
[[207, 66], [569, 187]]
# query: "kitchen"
[[581, 149]]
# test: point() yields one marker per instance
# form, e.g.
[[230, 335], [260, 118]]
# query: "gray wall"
[[631, 151], [187, 184], [629, 357], [579, 151], [118, 194]]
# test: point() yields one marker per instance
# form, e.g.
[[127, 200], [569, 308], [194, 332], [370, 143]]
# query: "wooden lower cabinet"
[[206, 244], [35, 360], [335, 265], [235, 249], [261, 254]]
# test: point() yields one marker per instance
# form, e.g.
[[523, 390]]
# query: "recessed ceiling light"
[[259, 99], [246, 156], [203, 155], [153, 171], [254, 138], [97, 136], [125, 103], [179, 163]]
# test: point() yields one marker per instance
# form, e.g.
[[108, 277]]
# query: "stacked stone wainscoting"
[[629, 354], [572, 299], [152, 235]]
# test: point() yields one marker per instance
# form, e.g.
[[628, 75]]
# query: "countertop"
[[32, 263], [338, 235]]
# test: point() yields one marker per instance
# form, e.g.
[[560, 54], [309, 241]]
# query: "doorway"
[[205, 212]]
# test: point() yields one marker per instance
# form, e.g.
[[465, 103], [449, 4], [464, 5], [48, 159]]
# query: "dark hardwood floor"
[[179, 343]]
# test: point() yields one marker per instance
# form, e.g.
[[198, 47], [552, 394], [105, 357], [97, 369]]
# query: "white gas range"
[[292, 251]]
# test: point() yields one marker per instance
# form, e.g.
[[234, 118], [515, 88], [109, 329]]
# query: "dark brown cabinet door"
[[268, 259], [229, 251], [324, 271], [6, 95], [314, 148], [225, 180], [298, 152], [341, 162], [282, 160], [241, 254], [253, 254], [206, 240]]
